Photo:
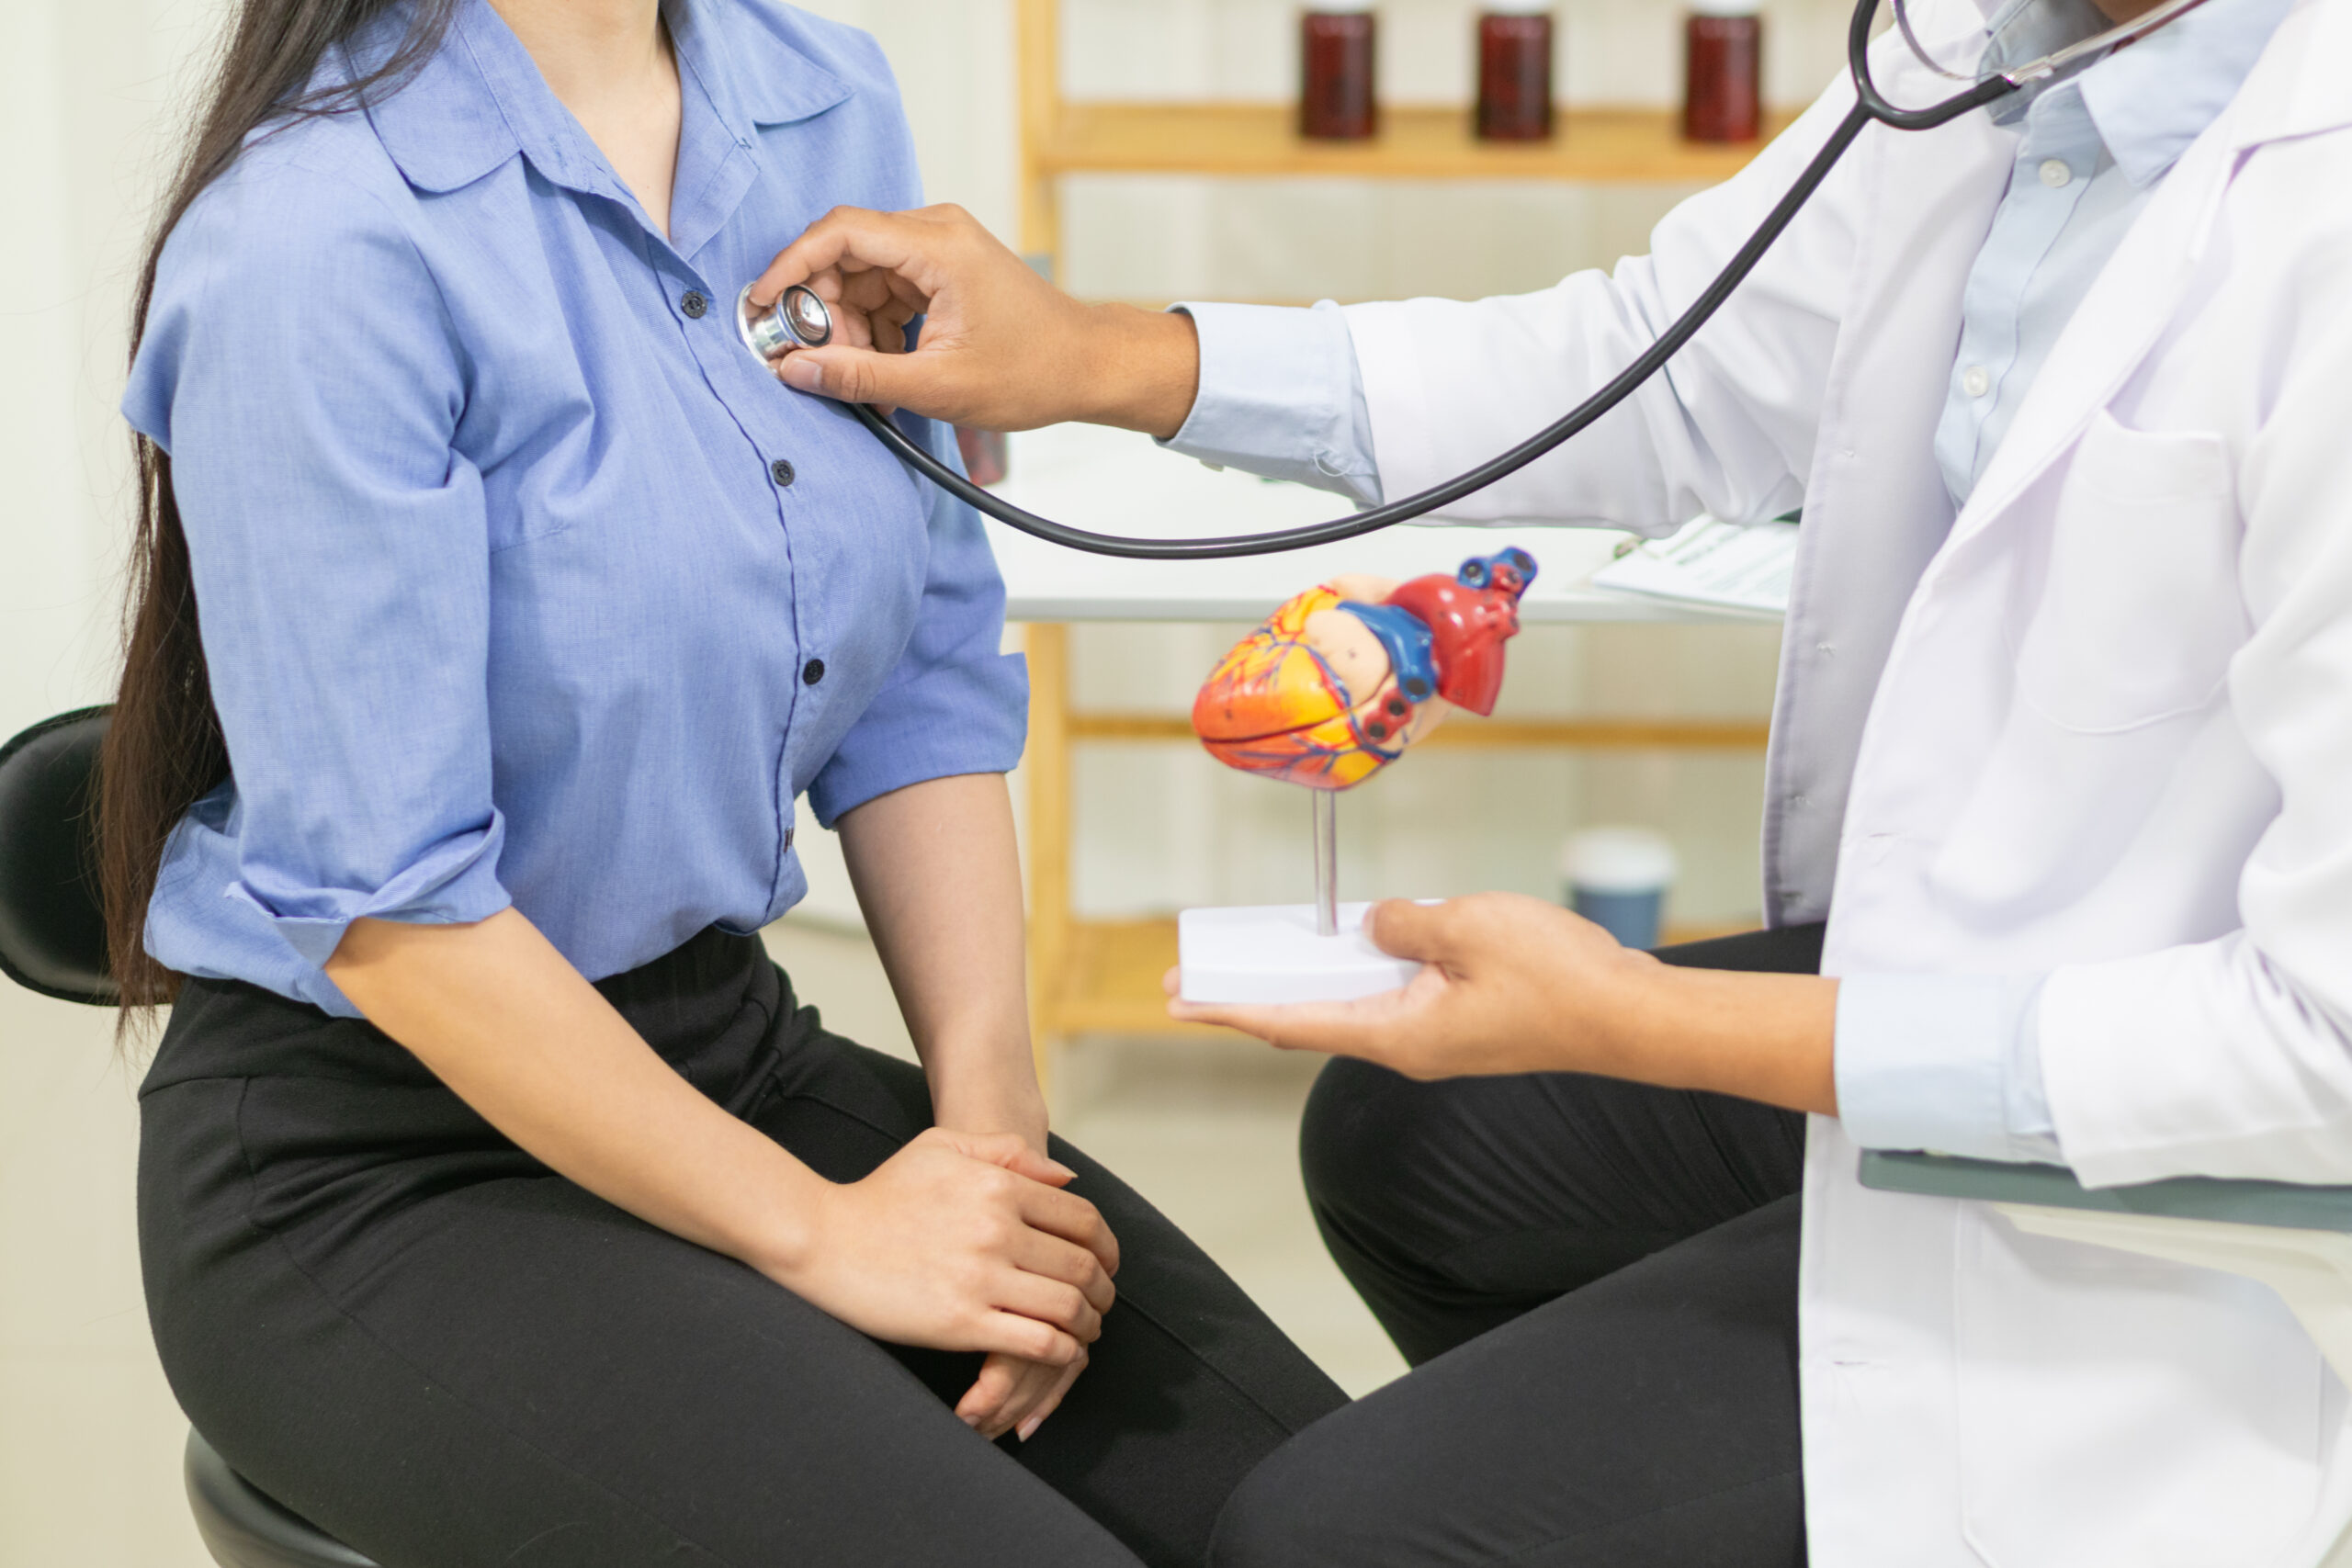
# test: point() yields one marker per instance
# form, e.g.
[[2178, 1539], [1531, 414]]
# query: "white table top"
[[1119, 482]]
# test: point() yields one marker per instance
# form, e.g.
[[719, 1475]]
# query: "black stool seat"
[[52, 937], [53, 940], [242, 1527]]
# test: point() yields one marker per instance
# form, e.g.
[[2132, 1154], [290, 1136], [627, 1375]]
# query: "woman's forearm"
[[504, 1019], [938, 876], [959, 1241]]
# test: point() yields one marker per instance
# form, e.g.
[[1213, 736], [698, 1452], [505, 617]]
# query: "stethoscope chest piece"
[[797, 319]]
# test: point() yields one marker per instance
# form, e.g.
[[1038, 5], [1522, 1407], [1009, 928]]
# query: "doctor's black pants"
[[1597, 1284], [401, 1326]]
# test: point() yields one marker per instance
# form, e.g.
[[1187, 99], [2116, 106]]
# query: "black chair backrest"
[[52, 931]]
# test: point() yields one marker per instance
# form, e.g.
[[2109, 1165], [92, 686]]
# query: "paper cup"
[[1618, 879]]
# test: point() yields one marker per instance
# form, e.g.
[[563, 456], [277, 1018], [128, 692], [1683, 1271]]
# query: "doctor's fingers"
[[923, 248], [1369, 1027], [1432, 933], [927, 382]]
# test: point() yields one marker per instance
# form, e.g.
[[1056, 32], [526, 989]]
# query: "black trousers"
[[388, 1317], [1597, 1283]]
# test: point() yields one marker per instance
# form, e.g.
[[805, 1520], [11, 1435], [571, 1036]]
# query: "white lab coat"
[[2099, 725]]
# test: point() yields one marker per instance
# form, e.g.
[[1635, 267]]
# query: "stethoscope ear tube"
[[1585, 413], [1868, 106]]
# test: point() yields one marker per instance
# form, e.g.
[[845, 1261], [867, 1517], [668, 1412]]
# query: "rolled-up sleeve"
[[1950, 1063], [300, 371], [956, 703], [1279, 396]]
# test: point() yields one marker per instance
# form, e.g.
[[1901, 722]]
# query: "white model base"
[[1269, 952]]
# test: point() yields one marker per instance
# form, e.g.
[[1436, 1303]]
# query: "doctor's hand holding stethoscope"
[[2057, 823]]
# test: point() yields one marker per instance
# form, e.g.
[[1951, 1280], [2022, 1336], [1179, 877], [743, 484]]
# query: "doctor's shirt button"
[[781, 471], [2055, 173], [812, 671], [1975, 381], [694, 304]]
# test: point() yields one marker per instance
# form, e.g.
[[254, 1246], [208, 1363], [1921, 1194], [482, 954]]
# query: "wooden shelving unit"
[[1061, 136], [1089, 976]]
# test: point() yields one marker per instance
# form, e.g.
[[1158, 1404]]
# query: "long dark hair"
[[165, 749]]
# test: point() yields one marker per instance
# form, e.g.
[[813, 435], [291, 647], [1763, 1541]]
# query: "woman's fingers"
[[982, 1408], [1050, 1301], [1050, 1258], [1010, 1394], [1073, 1219], [1008, 1151], [1051, 1400], [1029, 1338]]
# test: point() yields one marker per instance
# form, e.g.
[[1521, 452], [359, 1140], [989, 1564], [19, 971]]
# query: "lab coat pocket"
[[2136, 611], [2118, 1411]]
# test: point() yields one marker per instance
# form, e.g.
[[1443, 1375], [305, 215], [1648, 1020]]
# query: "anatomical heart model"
[[1339, 682]]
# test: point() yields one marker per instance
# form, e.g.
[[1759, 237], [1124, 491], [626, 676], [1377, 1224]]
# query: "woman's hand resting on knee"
[[965, 1241]]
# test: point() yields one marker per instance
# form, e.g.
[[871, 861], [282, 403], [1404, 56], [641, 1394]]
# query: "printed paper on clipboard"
[[1725, 566]]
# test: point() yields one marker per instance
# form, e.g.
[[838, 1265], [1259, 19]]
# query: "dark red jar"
[[1515, 70], [1335, 101], [1722, 98]]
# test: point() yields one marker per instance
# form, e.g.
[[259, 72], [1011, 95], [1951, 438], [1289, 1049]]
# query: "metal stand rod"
[[1327, 862]]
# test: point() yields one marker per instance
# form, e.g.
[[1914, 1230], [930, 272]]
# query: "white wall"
[[88, 1433]]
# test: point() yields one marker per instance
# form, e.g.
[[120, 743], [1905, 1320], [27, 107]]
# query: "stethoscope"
[[800, 320]]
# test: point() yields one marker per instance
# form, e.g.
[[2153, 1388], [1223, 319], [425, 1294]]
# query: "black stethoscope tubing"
[[1868, 106]]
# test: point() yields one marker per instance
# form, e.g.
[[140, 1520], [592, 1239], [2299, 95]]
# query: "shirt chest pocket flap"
[[2137, 610]]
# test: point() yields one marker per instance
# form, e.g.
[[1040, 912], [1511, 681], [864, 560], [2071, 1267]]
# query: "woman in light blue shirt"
[[495, 609]]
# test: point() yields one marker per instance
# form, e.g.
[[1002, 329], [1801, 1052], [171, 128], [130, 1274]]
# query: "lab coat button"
[[2055, 173], [694, 304], [1975, 381], [812, 671], [783, 473]]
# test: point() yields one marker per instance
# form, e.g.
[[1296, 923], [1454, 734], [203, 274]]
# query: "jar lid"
[[1337, 7], [1723, 7], [1618, 860], [1517, 7]]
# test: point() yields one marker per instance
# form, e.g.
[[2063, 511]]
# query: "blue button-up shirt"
[[1942, 1062], [520, 581]]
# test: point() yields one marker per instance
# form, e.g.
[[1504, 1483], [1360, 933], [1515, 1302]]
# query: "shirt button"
[[1974, 381], [2055, 173], [694, 304], [781, 471], [812, 671]]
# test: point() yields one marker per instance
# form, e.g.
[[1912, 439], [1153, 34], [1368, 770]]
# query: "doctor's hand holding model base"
[[2058, 832]]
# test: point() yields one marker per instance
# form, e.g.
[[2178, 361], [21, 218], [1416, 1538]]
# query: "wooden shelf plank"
[[1621, 145]]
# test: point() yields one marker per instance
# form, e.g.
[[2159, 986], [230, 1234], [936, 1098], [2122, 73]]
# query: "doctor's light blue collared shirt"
[[1947, 1061], [520, 581]]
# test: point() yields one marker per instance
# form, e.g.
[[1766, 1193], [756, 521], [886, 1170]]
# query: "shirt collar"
[[480, 98], [2150, 101]]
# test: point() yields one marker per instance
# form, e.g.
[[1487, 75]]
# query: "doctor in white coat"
[[2062, 755]]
